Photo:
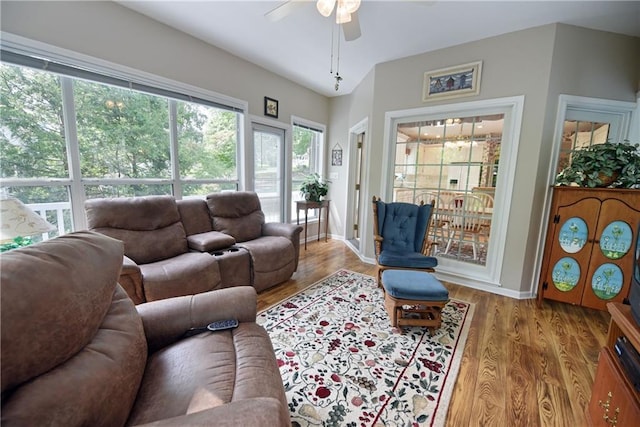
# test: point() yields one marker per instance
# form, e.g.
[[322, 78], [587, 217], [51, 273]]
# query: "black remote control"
[[222, 324], [214, 326]]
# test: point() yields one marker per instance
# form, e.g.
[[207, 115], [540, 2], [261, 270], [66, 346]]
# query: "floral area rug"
[[342, 363]]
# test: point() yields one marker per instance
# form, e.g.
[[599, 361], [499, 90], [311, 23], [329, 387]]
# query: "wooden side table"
[[306, 205]]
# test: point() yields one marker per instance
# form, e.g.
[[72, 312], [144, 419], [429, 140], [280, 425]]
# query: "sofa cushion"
[[69, 334], [238, 214], [140, 222], [216, 368], [185, 274], [195, 215], [144, 246]]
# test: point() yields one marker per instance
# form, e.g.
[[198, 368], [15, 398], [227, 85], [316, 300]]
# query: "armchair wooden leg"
[[391, 309]]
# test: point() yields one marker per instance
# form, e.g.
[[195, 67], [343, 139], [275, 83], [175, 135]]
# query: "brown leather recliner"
[[77, 352], [274, 247]]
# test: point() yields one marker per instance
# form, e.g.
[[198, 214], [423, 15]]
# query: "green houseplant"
[[313, 188], [609, 164]]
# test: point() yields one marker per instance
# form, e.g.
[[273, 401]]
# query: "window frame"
[[320, 160], [487, 276], [75, 182]]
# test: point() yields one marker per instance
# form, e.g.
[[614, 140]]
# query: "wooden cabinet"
[[614, 401], [588, 256]]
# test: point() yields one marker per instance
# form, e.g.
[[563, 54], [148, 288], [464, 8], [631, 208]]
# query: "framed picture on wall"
[[452, 82], [336, 155], [270, 107]]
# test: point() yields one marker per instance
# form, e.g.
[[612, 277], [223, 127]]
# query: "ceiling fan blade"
[[283, 10], [352, 29]]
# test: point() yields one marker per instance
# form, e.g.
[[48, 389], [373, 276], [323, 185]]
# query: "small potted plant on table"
[[313, 188]]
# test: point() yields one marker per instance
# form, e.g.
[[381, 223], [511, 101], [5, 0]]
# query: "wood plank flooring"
[[522, 365]]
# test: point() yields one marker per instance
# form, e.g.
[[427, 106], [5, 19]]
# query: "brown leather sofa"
[[76, 351], [172, 247]]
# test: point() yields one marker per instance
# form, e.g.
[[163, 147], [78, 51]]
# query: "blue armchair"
[[400, 232]]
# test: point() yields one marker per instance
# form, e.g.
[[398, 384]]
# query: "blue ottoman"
[[414, 298]]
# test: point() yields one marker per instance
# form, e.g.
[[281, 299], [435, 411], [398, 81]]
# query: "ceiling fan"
[[346, 14]]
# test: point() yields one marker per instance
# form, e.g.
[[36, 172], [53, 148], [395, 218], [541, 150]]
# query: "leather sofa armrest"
[[129, 266], [261, 411], [166, 321], [290, 231], [131, 280], [210, 241]]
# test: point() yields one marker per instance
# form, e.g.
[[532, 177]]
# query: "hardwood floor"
[[522, 365]]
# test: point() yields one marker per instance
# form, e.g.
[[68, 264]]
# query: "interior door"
[[268, 167]]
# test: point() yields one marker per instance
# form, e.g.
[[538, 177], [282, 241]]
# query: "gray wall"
[[346, 112], [539, 63]]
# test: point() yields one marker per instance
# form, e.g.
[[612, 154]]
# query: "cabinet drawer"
[[613, 401]]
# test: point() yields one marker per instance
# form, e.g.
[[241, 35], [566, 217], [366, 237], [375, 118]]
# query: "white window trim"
[[475, 276], [295, 120], [620, 109]]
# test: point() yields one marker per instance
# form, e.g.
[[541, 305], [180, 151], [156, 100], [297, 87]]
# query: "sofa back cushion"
[[73, 347], [237, 213], [150, 226], [195, 216]]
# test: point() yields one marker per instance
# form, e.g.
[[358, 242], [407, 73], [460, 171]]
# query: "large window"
[[458, 155], [64, 140], [452, 161]]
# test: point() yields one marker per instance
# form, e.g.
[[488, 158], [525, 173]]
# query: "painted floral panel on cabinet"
[[587, 257]]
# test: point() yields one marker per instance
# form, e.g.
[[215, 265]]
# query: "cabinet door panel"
[[570, 250], [612, 402], [612, 256]]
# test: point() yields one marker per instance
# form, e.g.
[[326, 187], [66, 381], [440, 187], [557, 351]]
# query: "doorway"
[[580, 122], [356, 205]]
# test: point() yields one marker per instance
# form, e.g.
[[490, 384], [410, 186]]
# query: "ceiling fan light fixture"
[[325, 7], [351, 5], [342, 16]]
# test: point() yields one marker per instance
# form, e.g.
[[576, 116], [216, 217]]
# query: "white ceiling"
[[298, 47]]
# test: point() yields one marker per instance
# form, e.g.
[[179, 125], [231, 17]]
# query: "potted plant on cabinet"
[[615, 165], [313, 189]]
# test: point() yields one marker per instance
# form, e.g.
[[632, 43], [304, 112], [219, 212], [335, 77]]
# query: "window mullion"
[[73, 154], [173, 149]]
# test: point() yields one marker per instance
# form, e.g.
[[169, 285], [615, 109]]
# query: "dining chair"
[[467, 218], [487, 199], [439, 219], [401, 236]]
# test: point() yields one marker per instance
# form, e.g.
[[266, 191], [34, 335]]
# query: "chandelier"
[[344, 9]]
